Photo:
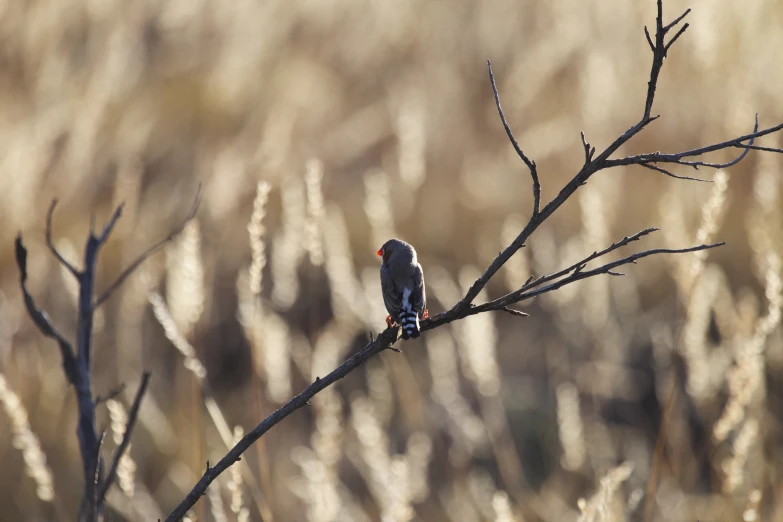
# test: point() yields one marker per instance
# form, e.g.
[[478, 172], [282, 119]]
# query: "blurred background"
[[320, 129]]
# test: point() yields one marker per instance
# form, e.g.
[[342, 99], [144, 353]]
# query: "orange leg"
[[425, 314], [389, 321]]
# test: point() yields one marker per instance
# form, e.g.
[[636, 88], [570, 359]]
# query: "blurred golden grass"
[[323, 128]]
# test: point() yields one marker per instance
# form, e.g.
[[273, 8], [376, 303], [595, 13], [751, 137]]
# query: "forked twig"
[[51, 246], [40, 317], [531, 165], [671, 174], [108, 227], [77, 361], [678, 158], [151, 250]]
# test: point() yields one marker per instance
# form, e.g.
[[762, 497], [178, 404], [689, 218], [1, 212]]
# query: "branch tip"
[[514, 312], [649, 40], [129, 425], [531, 165], [674, 39], [50, 243], [677, 20]]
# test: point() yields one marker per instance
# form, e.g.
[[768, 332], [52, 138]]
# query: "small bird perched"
[[402, 284]]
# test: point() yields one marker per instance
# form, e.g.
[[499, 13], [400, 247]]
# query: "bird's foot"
[[425, 314], [389, 322]]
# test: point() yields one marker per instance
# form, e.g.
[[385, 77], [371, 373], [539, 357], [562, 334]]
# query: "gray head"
[[397, 250]]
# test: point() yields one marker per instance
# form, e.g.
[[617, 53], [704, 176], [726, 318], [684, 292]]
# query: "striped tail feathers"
[[409, 316], [410, 325]]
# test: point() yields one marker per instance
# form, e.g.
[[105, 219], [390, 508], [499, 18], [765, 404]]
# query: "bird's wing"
[[419, 291], [391, 296]]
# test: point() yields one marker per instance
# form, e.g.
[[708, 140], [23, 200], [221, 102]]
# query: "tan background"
[[367, 120]]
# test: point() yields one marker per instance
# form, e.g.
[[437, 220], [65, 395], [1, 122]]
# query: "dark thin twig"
[[51, 246], [132, 414], [94, 508], [672, 174], [659, 49], [735, 160], [649, 40], [40, 317], [382, 342], [678, 157], [589, 151], [110, 225], [86, 429], [677, 20], [679, 33], [514, 312], [760, 148], [531, 165], [579, 265], [582, 274], [154, 248]]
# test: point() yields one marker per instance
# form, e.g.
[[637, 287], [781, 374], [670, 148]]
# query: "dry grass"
[[324, 127]]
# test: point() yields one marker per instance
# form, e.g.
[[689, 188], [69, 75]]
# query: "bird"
[[402, 286]]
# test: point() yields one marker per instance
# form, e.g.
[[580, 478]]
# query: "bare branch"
[[678, 158], [514, 312], [657, 63], [383, 341], [110, 225], [673, 175], [132, 414], [677, 21], [41, 319], [531, 165], [589, 151], [649, 40], [624, 261], [77, 362], [594, 165], [515, 297], [679, 33], [51, 246], [576, 267], [736, 160], [154, 248], [595, 255], [659, 49], [760, 148], [95, 507]]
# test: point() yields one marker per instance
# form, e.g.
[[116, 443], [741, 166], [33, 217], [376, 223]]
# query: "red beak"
[[379, 252]]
